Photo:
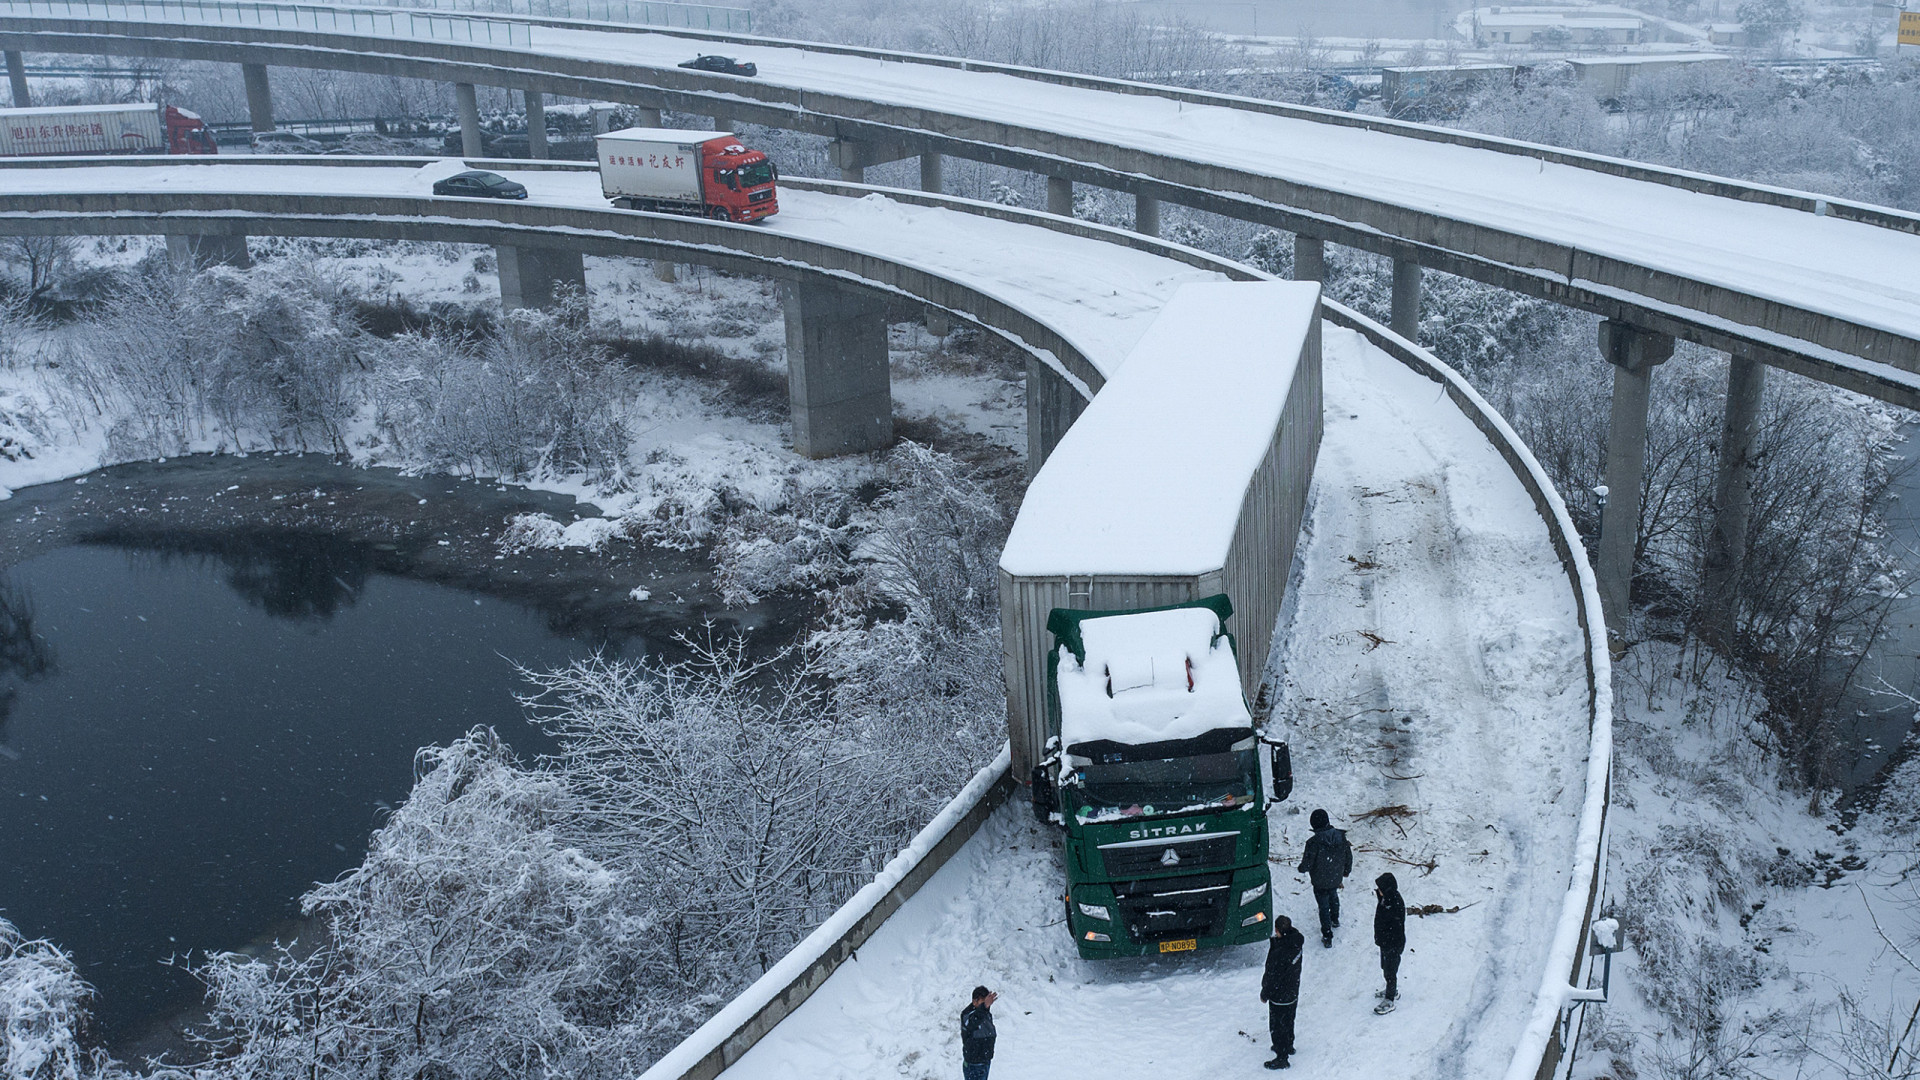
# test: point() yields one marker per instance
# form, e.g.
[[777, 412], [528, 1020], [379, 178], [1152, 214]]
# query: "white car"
[[283, 142]]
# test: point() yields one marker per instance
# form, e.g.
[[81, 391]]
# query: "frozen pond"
[[188, 741]]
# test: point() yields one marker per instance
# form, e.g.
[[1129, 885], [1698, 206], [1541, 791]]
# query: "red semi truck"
[[708, 173], [103, 129]]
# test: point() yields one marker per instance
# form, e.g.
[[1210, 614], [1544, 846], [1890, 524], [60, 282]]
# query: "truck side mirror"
[[1045, 800], [1282, 760]]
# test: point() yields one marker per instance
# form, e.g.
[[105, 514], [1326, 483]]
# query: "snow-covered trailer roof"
[[1187, 475], [1148, 677]]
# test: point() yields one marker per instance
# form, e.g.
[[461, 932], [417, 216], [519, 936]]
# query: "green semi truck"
[[1153, 773]]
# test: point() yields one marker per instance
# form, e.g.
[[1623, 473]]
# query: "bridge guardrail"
[[404, 24], [729, 20]]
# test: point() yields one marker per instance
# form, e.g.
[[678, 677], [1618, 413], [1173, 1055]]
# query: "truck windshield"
[[760, 172], [1165, 785]]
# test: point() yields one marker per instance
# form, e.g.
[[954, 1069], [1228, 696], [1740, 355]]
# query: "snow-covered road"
[[1099, 296], [1433, 663]]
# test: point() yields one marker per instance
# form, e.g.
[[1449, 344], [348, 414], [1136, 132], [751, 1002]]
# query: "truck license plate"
[[1183, 945]]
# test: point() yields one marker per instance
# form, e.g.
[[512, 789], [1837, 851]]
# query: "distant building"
[[1609, 78], [1732, 34], [1568, 27]]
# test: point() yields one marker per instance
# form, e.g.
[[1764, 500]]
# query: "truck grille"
[[760, 196], [1194, 906], [1135, 858]]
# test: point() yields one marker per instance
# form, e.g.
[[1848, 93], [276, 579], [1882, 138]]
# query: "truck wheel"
[[719, 213]]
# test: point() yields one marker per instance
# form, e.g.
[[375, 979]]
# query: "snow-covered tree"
[[42, 1010]]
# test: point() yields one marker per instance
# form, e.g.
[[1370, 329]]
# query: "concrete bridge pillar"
[[641, 118], [1052, 407], [602, 116], [468, 103], [931, 169], [1634, 353], [939, 321], [259, 96], [1309, 258], [837, 376], [532, 277], [665, 270], [536, 124], [1406, 299], [1146, 215], [190, 253], [853, 156], [1733, 499], [1060, 196], [17, 75]]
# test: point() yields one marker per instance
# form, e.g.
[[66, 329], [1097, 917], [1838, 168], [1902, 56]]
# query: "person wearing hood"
[[1280, 987], [1327, 862], [1390, 933]]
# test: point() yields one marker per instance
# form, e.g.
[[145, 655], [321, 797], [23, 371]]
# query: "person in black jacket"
[[1390, 933], [1280, 987], [1327, 862], [977, 1035]]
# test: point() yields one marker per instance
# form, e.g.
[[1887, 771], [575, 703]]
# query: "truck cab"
[[1153, 775], [187, 133], [738, 182]]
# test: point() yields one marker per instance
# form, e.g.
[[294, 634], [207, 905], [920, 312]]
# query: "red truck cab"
[[738, 183], [187, 133]]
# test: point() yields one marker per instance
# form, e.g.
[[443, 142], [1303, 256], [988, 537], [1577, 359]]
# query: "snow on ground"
[[1469, 710], [1099, 296], [1855, 271], [1741, 907]]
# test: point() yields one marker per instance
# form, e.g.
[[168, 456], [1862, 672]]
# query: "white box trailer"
[[101, 129], [658, 164], [1186, 476]]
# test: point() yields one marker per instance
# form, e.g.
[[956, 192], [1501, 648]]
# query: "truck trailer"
[[705, 173], [1154, 779], [103, 129]]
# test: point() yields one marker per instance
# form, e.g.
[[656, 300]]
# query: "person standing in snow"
[[1390, 933], [1327, 862], [1280, 987], [976, 1035]]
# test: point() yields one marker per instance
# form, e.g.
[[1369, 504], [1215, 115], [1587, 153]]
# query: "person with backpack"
[[1390, 933], [977, 1035], [1327, 862], [1280, 987]]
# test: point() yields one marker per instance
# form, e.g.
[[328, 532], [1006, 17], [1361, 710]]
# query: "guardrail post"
[[1733, 499], [17, 75], [536, 124], [1146, 215], [532, 277], [1309, 258], [259, 96], [1406, 300], [190, 253], [1634, 353], [837, 376], [471, 145], [1060, 196], [1052, 407], [931, 167]]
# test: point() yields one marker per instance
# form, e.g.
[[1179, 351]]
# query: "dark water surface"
[[189, 741]]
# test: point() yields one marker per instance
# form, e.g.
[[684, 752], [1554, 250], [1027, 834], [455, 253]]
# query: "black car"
[[479, 185], [725, 65]]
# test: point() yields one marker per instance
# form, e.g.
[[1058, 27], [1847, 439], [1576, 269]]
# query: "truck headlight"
[[1091, 936], [1256, 917], [1253, 894], [1096, 911]]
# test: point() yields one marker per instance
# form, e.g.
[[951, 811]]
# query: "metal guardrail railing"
[[403, 24], [732, 20]]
